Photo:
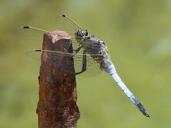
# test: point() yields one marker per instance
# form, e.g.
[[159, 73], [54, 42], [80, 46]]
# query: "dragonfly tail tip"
[[142, 109], [146, 114]]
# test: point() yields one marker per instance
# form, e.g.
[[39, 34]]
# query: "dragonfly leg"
[[84, 64], [78, 49]]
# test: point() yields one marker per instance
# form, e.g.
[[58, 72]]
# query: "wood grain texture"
[[57, 106]]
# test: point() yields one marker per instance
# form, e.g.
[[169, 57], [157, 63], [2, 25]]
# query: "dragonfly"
[[97, 49]]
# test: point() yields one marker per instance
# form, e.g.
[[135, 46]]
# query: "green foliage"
[[137, 33]]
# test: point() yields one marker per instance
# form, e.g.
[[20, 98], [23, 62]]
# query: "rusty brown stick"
[[57, 106]]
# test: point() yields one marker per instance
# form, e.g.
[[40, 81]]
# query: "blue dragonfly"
[[96, 49]]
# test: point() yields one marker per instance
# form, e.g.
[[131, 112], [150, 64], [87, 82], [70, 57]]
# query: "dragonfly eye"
[[86, 33], [81, 33]]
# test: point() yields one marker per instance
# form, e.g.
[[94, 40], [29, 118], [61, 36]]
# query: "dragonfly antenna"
[[34, 28], [71, 21]]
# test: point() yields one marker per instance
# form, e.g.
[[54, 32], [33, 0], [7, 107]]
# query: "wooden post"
[[57, 106]]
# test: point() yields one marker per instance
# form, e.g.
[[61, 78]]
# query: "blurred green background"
[[138, 35]]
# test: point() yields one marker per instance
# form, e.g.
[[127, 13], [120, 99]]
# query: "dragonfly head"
[[81, 33]]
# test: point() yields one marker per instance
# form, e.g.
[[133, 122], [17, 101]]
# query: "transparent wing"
[[92, 66], [65, 25]]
